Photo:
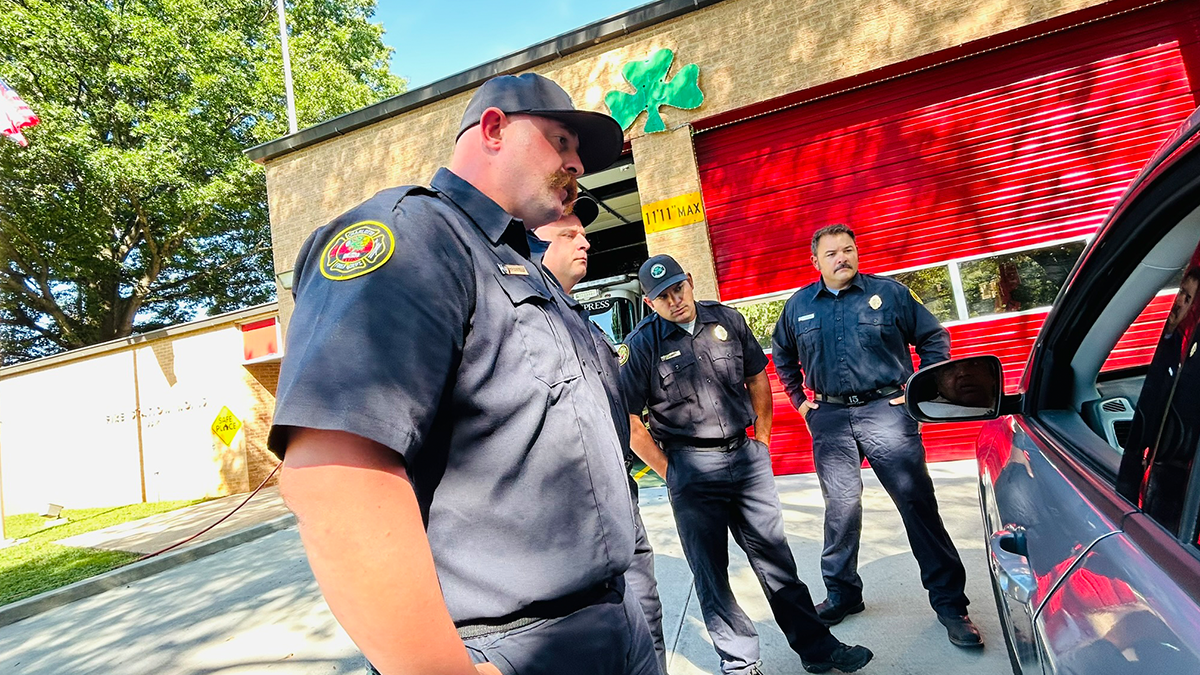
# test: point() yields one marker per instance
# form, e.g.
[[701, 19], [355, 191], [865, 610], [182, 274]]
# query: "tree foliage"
[[134, 206]]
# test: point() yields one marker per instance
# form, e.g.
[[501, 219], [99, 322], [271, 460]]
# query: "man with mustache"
[[454, 470], [846, 337], [702, 374], [565, 255], [1144, 472]]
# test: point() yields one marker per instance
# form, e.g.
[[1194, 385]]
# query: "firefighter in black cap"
[[701, 373], [448, 451]]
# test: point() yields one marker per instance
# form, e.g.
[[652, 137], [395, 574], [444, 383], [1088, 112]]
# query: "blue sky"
[[436, 39]]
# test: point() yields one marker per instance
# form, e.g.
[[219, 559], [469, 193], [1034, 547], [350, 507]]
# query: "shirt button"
[[839, 338]]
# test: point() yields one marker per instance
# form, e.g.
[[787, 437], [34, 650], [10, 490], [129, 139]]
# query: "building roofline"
[[601, 31], [234, 317]]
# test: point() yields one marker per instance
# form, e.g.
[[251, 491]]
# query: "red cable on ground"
[[223, 518]]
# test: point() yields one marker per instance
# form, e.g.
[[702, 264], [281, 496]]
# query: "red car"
[[1088, 486]]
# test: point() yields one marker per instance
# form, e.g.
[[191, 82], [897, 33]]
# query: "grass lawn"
[[37, 565]]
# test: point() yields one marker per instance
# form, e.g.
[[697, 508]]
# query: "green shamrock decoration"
[[649, 79]]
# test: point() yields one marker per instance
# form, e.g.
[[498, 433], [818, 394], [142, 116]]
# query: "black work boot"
[[844, 658], [831, 614], [961, 631]]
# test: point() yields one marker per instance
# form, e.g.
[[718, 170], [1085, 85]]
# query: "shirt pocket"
[[676, 377], [727, 362], [877, 330], [549, 351], [808, 340]]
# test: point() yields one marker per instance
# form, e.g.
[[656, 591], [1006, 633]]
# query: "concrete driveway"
[[256, 609]]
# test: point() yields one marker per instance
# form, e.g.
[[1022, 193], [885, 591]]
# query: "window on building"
[[761, 317], [934, 289], [1015, 282]]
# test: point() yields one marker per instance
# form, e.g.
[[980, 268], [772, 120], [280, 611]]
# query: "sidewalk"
[[262, 515], [160, 531], [898, 624], [256, 608]]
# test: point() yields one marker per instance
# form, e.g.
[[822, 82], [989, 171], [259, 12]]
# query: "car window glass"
[[1165, 428]]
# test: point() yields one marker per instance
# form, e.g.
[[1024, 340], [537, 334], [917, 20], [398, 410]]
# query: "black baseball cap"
[[658, 274], [585, 209], [600, 137]]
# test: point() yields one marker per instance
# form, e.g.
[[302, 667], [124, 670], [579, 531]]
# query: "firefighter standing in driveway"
[[701, 373], [846, 338], [459, 486], [564, 250]]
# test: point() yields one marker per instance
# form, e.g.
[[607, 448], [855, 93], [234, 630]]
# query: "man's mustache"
[[561, 179], [843, 266]]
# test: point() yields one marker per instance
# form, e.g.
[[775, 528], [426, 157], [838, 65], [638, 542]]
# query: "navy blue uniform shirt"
[[694, 385], [453, 348], [607, 360], [855, 341]]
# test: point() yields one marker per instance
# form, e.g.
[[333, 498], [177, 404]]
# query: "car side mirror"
[[958, 390]]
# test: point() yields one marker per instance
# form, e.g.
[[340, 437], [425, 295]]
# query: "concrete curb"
[[121, 576]]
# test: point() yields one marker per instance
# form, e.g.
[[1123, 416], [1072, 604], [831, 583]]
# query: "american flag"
[[15, 115]]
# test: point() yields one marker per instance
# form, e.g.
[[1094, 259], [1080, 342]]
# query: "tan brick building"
[[132, 420], [916, 122]]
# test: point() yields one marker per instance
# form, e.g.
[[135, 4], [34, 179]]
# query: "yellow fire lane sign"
[[226, 425], [674, 212]]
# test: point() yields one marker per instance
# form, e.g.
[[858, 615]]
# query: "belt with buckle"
[[858, 399], [707, 445], [539, 611]]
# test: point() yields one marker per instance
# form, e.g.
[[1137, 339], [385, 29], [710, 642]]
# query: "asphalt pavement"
[[255, 608]]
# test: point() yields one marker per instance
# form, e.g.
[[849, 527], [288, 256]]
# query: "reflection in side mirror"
[[957, 390]]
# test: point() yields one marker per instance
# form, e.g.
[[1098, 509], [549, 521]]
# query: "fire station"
[[973, 145]]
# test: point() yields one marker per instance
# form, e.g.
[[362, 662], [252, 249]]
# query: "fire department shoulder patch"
[[361, 248], [622, 354]]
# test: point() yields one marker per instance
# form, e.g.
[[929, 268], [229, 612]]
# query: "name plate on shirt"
[[668, 357], [807, 317], [517, 270]]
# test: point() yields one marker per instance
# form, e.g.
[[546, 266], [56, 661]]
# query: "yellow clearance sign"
[[673, 212], [226, 425]]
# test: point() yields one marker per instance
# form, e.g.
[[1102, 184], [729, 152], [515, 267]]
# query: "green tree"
[[134, 207]]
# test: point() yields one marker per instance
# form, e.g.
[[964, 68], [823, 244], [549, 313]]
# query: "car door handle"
[[1009, 558]]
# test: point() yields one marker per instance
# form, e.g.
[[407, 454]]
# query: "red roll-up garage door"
[[1023, 145]]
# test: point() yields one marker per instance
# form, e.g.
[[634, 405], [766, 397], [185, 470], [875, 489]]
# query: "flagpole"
[[287, 69]]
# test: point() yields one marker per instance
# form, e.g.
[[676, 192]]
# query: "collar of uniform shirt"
[[704, 314], [495, 223], [857, 282], [537, 249]]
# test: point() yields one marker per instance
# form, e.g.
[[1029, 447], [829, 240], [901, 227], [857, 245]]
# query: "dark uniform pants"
[[714, 493], [890, 439], [608, 637], [641, 583]]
